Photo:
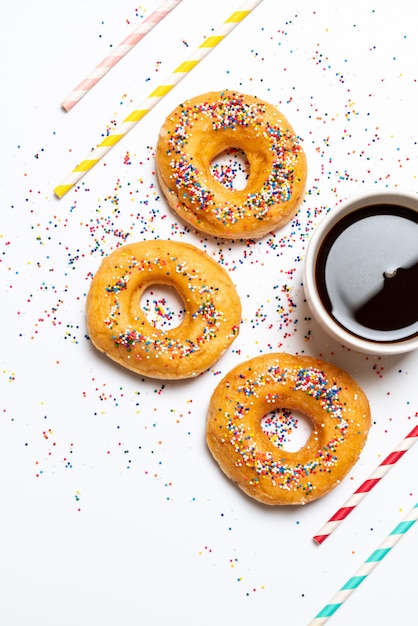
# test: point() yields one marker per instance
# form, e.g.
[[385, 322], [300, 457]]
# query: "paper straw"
[[116, 55], [367, 486], [362, 573], [182, 70]]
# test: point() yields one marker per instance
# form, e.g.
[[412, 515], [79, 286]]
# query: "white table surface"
[[112, 510]]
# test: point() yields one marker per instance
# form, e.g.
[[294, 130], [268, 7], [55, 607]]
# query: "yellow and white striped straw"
[[135, 116]]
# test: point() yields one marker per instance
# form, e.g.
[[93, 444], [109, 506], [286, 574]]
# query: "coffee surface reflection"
[[367, 273]]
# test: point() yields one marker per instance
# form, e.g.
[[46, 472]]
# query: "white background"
[[111, 509]]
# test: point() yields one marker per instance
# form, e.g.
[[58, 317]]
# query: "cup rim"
[[337, 332]]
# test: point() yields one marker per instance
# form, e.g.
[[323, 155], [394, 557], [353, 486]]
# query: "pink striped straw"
[[367, 486], [118, 53]]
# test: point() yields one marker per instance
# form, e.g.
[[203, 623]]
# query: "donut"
[[328, 396], [118, 326], [202, 128]]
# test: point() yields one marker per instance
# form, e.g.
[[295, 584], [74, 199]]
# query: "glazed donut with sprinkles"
[[119, 327], [204, 127], [334, 402]]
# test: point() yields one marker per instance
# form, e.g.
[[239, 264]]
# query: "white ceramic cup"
[[348, 258]]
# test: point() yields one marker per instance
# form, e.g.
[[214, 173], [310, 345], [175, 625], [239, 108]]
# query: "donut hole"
[[163, 307], [287, 429], [231, 169]]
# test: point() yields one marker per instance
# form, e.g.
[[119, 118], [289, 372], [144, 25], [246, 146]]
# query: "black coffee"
[[367, 273]]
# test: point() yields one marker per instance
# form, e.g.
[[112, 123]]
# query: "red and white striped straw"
[[118, 53], [367, 486]]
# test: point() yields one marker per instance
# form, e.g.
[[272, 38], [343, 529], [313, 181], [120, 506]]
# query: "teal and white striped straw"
[[362, 573]]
